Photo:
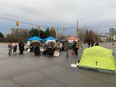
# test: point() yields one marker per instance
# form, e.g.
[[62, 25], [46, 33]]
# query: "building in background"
[[112, 34], [71, 39], [18, 30], [103, 38]]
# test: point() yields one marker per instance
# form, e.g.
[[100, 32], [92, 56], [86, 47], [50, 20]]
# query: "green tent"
[[98, 57]]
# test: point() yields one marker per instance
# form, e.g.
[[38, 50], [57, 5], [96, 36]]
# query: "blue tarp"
[[63, 40], [50, 38], [35, 38]]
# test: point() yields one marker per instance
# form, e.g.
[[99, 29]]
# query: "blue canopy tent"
[[35, 38], [50, 38]]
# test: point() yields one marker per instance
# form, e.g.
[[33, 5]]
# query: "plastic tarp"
[[98, 57], [50, 38], [35, 38], [50, 41], [71, 39]]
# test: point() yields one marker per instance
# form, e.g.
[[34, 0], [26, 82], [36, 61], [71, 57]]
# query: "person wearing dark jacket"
[[96, 43], [21, 48], [31, 48], [36, 50], [76, 49], [74, 45], [67, 49]]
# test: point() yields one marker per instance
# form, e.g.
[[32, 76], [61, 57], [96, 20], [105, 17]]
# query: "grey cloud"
[[59, 12]]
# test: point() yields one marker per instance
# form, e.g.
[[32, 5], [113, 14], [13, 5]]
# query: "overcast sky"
[[97, 14]]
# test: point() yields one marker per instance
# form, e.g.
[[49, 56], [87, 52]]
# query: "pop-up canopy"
[[35, 38], [50, 38]]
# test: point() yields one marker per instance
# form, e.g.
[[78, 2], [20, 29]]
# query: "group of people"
[[91, 43], [34, 48], [12, 48], [76, 45], [49, 48]]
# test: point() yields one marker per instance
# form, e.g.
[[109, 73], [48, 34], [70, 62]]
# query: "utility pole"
[[57, 33], [78, 35], [77, 30], [38, 30]]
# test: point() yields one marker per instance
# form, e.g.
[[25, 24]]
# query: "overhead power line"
[[109, 26], [20, 21]]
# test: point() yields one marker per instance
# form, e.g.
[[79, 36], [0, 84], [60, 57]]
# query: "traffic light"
[[17, 23], [38, 27], [53, 29]]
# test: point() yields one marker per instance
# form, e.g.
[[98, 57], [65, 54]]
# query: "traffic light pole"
[[38, 33], [38, 30]]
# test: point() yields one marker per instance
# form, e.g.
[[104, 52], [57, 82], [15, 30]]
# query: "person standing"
[[67, 49], [76, 49], [74, 46], [37, 50], [61, 47], [10, 48], [14, 47], [31, 48], [21, 48], [92, 43], [89, 42]]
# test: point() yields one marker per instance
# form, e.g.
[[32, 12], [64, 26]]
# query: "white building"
[[103, 38]]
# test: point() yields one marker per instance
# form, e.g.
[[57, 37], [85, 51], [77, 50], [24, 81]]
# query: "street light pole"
[[77, 24], [57, 34], [38, 30], [77, 30], [38, 33]]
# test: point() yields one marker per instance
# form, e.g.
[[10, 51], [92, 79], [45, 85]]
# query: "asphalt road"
[[30, 71]]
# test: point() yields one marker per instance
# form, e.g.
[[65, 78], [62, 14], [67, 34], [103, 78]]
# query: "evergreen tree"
[[33, 32], [47, 32], [42, 34], [1, 35], [53, 32]]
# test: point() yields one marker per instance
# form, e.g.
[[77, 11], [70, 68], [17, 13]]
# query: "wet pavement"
[[30, 71]]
